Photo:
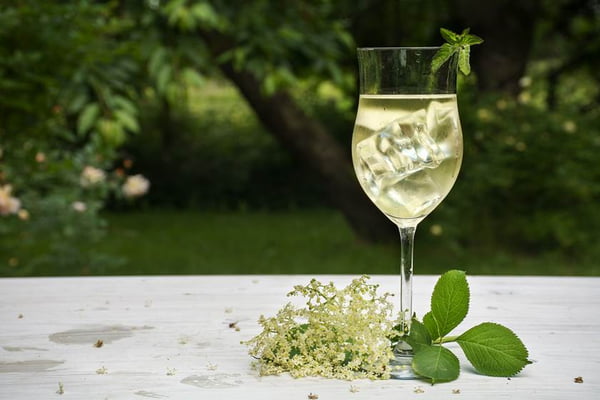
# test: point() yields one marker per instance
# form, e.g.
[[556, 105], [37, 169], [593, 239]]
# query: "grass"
[[241, 243], [292, 242]]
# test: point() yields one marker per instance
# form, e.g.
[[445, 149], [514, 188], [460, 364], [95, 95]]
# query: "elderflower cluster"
[[340, 334]]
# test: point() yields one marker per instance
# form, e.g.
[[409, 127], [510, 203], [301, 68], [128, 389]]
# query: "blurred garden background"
[[207, 136]]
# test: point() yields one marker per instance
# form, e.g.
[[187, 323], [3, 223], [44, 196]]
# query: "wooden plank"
[[169, 337]]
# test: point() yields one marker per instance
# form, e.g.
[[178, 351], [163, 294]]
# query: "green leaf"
[[470, 40], [192, 77], [463, 60], [173, 92], [419, 336], [163, 78], [77, 102], [436, 363], [205, 14], [431, 325], [111, 132], [269, 84], [449, 36], [127, 120], [449, 303], [466, 39], [157, 60], [455, 43], [87, 118], [494, 349], [442, 55], [125, 104]]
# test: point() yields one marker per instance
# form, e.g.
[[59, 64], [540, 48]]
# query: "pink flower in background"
[[135, 186], [8, 203], [91, 176]]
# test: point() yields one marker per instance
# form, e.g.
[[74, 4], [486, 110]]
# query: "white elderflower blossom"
[[135, 186], [340, 334], [8, 203], [102, 370], [79, 206], [211, 367], [91, 176]]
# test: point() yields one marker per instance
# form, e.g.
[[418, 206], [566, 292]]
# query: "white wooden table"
[[173, 337]]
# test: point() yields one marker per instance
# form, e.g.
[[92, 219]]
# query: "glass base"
[[401, 364]]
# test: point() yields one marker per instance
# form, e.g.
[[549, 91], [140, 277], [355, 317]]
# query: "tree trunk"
[[309, 141]]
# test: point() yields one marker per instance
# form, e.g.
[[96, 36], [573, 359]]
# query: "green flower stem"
[[445, 339]]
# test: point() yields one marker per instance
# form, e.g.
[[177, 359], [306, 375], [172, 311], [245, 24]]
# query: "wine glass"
[[406, 150]]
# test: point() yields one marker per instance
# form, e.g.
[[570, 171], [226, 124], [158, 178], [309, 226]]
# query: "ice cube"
[[416, 192], [401, 148], [441, 119]]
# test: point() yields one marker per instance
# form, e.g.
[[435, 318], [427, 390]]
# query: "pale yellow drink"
[[407, 151]]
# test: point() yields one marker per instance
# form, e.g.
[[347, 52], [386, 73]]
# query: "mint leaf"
[[463, 60], [436, 363], [442, 55], [449, 36], [456, 43], [494, 349], [449, 304], [471, 40], [418, 337]]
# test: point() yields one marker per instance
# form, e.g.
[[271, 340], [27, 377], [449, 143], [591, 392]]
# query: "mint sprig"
[[491, 348], [456, 43]]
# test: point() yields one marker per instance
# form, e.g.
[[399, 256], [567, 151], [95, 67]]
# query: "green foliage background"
[[105, 83]]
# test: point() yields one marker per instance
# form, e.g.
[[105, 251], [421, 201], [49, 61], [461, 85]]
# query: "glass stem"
[[407, 236]]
